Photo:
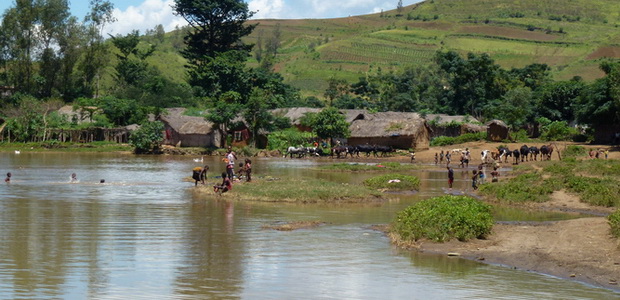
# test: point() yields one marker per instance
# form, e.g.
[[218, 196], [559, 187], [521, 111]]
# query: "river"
[[147, 233]]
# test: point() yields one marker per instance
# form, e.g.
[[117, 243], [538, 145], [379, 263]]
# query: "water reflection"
[[148, 234]]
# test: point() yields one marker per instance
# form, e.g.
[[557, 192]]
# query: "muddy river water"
[[146, 233]]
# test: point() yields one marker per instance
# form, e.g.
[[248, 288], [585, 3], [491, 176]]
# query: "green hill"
[[568, 35]]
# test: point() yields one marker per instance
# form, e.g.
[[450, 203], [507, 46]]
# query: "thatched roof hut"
[[497, 131], [188, 131], [399, 130]]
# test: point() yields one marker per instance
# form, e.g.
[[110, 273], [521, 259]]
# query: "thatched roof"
[[186, 124], [444, 119], [351, 115], [469, 128], [497, 122], [387, 124]]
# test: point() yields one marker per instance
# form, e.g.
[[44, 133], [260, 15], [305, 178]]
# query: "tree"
[[599, 103], [399, 6], [330, 123], [472, 82], [336, 88], [217, 26], [131, 66], [95, 56], [224, 112], [558, 100], [213, 42], [256, 113], [148, 138], [520, 102]]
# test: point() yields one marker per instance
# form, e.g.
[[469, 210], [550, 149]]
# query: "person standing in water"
[[450, 177], [230, 164], [248, 169], [8, 177], [203, 174], [74, 178]]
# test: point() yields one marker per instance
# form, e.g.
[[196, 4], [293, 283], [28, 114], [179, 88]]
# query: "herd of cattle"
[[524, 153], [340, 151]]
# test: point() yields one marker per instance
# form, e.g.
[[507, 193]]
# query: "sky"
[[146, 14]]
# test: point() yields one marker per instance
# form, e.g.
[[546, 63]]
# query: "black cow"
[[366, 148], [525, 152], [383, 150], [534, 153], [504, 152], [546, 151], [515, 154]]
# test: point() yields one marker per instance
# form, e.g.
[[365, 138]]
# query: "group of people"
[[199, 174], [73, 178]]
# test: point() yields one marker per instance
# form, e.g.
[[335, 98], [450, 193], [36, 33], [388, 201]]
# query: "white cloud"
[[266, 9], [145, 16]]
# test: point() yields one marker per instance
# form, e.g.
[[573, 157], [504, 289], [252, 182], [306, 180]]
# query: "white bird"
[[199, 159], [17, 152]]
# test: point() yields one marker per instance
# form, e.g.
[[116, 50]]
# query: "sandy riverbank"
[[580, 249]]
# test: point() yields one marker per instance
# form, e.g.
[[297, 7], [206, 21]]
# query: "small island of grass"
[[396, 182], [307, 190], [355, 167], [441, 219]]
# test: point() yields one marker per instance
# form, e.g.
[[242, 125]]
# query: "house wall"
[[497, 133]]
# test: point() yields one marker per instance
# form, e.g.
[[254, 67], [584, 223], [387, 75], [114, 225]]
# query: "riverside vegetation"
[[441, 219]]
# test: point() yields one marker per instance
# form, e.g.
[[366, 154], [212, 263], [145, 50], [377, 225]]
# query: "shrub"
[[289, 137], [148, 138], [614, 223], [464, 138], [574, 151], [444, 218], [393, 182]]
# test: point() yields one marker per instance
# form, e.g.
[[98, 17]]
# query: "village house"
[[188, 131], [402, 130], [497, 131]]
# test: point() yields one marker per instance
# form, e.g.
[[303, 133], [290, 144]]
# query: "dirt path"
[[580, 249]]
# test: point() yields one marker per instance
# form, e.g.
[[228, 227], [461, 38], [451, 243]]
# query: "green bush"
[[574, 151], [614, 223], [444, 218], [148, 138], [289, 137], [393, 182], [463, 138]]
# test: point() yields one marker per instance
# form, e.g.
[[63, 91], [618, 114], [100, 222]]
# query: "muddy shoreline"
[[581, 249]]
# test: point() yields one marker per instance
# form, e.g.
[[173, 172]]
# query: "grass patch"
[[574, 151], [596, 182], [463, 138], [444, 218], [307, 190], [388, 166], [393, 182], [528, 187], [614, 223]]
